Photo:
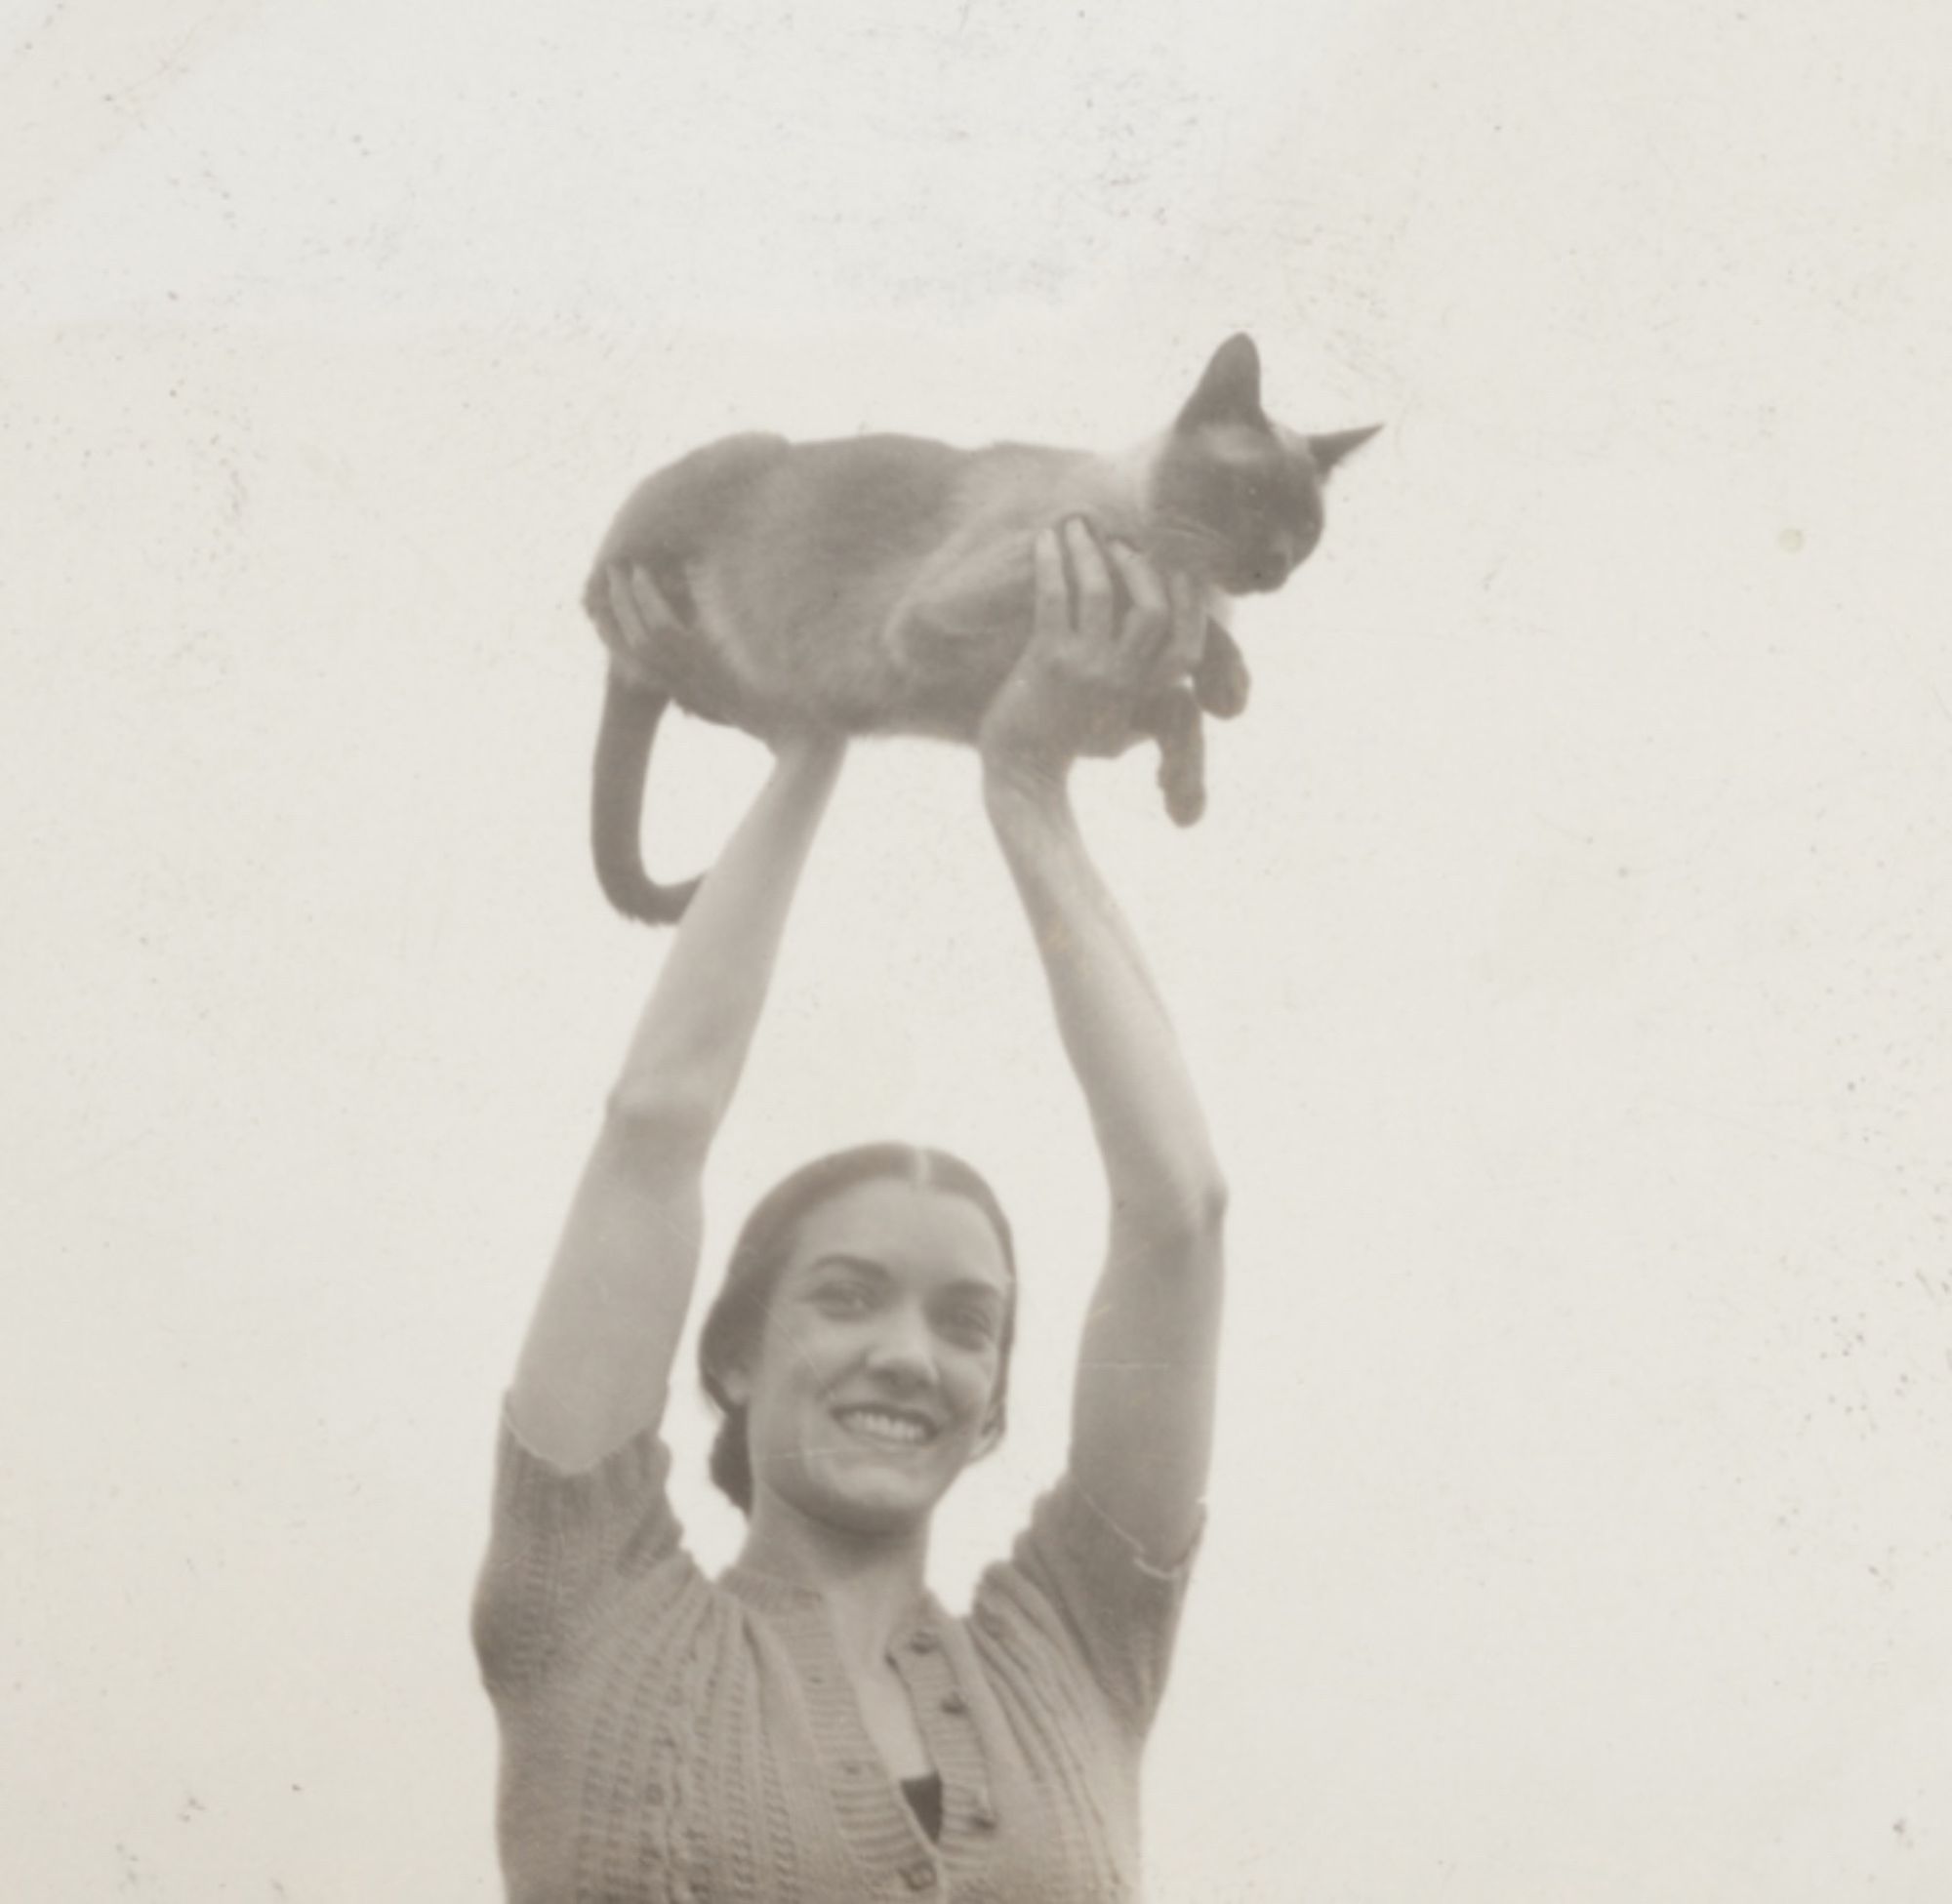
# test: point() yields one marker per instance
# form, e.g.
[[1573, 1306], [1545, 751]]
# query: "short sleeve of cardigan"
[[561, 1542], [1119, 1612]]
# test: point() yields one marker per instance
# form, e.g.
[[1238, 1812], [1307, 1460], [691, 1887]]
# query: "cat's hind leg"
[[1174, 721], [1220, 676]]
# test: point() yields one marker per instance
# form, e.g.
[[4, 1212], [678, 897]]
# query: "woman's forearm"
[[1150, 1130], [691, 1043]]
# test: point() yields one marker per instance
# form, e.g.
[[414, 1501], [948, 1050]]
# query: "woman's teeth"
[[880, 1425]]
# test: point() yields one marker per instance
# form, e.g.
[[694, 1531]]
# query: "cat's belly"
[[870, 666], [942, 680], [887, 694]]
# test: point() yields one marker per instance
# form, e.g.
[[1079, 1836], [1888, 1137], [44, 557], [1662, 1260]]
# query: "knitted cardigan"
[[672, 1739]]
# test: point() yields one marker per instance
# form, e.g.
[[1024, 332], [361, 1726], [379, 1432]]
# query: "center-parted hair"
[[738, 1315]]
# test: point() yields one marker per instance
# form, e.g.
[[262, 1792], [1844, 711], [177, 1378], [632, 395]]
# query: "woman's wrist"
[[811, 754], [1026, 781]]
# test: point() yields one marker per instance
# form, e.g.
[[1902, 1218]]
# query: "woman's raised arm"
[[595, 1366], [1143, 1410]]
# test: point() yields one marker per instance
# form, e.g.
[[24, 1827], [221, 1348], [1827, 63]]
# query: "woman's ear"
[[735, 1384]]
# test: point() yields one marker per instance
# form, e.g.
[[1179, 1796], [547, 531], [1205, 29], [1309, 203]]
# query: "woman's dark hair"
[[738, 1315]]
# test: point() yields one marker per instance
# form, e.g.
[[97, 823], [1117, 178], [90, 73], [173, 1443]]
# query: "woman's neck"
[[871, 1582]]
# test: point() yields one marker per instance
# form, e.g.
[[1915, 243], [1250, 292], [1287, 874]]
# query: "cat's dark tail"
[[631, 716]]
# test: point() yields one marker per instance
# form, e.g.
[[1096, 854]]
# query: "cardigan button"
[[984, 1817], [954, 1702], [919, 1875], [925, 1641]]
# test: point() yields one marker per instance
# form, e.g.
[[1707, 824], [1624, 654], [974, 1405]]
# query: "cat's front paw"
[[1185, 800], [1182, 771], [1220, 677]]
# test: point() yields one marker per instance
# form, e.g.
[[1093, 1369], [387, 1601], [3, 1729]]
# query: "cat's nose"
[[1277, 562], [1294, 548]]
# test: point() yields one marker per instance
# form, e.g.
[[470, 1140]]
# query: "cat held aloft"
[[882, 584]]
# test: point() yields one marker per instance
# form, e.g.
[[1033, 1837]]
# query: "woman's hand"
[[638, 609], [650, 635], [1088, 667]]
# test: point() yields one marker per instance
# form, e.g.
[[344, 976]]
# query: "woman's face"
[[876, 1370]]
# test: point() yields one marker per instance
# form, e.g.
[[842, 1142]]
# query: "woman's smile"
[[886, 1426]]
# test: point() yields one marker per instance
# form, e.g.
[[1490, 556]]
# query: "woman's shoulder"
[[565, 1546], [1076, 1589]]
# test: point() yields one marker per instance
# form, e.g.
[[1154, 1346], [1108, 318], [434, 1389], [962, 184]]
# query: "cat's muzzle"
[[1264, 572]]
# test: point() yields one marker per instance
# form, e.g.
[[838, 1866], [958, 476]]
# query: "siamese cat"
[[882, 584]]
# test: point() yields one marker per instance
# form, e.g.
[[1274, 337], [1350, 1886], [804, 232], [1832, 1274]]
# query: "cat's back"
[[888, 505], [851, 521], [854, 521], [864, 500], [859, 503], [676, 508]]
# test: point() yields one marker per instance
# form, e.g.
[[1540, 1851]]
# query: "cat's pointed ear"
[[1230, 391], [1325, 451]]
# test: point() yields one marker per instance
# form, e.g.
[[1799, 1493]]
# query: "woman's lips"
[[887, 1426]]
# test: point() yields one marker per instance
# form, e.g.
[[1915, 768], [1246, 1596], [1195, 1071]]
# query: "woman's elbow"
[[1207, 1203], [1186, 1211], [658, 1122]]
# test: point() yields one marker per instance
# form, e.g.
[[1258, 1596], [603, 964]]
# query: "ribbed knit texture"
[[671, 1739]]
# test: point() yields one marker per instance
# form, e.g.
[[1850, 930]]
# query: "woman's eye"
[[841, 1298], [971, 1325]]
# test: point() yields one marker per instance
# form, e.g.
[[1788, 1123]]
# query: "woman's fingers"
[[1120, 620], [623, 609], [1187, 638], [638, 607], [1053, 597], [651, 604], [1095, 603], [1149, 617]]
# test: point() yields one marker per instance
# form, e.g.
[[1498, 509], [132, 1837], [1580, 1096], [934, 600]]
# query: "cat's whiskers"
[[1187, 542]]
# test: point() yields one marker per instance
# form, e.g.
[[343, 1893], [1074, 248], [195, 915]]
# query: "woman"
[[811, 1727]]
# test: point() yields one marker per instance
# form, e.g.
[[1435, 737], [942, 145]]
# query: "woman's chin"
[[880, 1499]]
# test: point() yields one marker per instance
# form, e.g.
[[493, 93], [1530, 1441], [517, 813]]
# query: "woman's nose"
[[903, 1348]]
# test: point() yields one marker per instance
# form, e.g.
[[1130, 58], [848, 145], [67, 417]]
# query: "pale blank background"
[[1564, 955]]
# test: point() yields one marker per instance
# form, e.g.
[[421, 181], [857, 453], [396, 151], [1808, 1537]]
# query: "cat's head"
[[1232, 495]]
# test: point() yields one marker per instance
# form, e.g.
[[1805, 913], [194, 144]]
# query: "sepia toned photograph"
[[976, 953]]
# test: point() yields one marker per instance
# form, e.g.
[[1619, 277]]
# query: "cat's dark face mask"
[[1277, 515], [1235, 498], [1243, 514]]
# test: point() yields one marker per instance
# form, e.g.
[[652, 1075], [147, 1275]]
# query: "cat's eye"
[[1254, 495]]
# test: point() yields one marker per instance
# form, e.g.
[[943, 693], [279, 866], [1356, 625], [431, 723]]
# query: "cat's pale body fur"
[[882, 584]]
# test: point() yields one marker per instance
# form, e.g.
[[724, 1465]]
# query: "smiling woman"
[[894, 1265], [812, 1727]]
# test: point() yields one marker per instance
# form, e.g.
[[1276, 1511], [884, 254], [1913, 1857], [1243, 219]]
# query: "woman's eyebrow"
[[965, 1286], [840, 1259]]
